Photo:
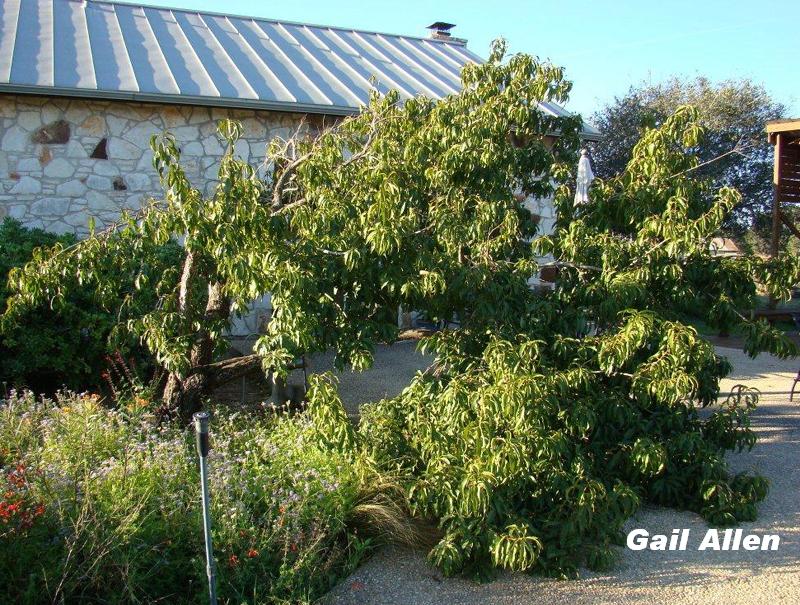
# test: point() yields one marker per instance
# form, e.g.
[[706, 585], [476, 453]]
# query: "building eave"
[[182, 99]]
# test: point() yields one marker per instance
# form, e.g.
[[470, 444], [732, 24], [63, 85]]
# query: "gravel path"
[[402, 576], [394, 367]]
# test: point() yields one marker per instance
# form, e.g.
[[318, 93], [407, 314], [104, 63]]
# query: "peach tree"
[[411, 204]]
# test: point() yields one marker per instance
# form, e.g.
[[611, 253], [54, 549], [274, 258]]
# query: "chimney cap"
[[441, 26]]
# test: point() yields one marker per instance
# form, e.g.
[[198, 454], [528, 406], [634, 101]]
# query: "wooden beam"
[[783, 125]]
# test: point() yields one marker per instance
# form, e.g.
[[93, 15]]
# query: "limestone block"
[[199, 115], [78, 111], [122, 149], [34, 223], [135, 200], [18, 211], [242, 149], [50, 113], [186, 134], [53, 110], [171, 117], [15, 139], [29, 120], [73, 188], [211, 146], [127, 166], [29, 165], [208, 129], [74, 149], [59, 168], [77, 219], [99, 183], [191, 165], [50, 206], [116, 124], [26, 185], [8, 107], [254, 128], [139, 134], [94, 126], [104, 168], [60, 228], [194, 149], [138, 182], [99, 202]]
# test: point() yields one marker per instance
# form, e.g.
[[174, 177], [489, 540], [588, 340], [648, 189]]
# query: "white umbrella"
[[585, 178]]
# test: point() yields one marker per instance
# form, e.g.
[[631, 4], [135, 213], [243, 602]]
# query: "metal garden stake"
[[201, 433]]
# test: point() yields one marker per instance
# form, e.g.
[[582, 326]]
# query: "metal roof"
[[118, 50]]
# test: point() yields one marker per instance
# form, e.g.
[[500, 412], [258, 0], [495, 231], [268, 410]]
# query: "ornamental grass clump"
[[103, 505]]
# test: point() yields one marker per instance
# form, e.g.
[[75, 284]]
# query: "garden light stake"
[[201, 433]]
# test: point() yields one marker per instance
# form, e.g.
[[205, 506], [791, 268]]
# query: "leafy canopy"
[[532, 444], [405, 204], [732, 113]]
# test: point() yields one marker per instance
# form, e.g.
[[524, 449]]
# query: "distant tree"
[[732, 113]]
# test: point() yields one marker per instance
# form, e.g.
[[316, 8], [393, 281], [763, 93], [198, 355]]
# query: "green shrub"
[[64, 343], [529, 462], [119, 509]]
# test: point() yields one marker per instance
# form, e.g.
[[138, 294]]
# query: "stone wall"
[[53, 173]]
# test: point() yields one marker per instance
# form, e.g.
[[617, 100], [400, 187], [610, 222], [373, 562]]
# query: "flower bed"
[[102, 504]]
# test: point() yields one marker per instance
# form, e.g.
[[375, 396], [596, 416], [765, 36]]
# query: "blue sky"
[[605, 45]]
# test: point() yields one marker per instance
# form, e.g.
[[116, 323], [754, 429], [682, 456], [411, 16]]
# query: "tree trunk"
[[183, 395]]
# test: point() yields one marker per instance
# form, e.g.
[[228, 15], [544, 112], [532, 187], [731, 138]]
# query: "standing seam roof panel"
[[443, 87], [9, 15], [70, 44], [400, 66], [116, 49], [349, 57], [318, 82], [188, 71], [33, 48], [370, 64], [230, 81], [318, 53], [283, 69], [112, 65], [428, 63], [260, 77], [360, 86], [149, 64]]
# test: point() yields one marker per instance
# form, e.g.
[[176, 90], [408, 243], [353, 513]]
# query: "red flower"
[[252, 553], [233, 560]]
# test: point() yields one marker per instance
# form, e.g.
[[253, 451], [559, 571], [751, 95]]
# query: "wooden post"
[[776, 197]]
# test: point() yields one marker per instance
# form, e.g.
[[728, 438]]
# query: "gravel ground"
[[402, 576], [395, 365]]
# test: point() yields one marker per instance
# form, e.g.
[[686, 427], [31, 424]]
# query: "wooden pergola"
[[785, 136]]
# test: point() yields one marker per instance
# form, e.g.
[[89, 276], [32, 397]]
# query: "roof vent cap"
[[440, 30]]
